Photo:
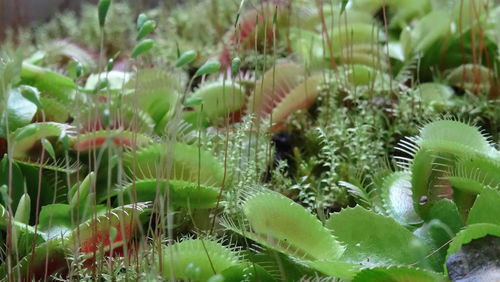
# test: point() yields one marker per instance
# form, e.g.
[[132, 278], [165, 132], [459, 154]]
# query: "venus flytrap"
[[186, 165], [54, 84], [334, 129], [259, 206], [436, 152], [182, 193], [198, 259], [220, 99]]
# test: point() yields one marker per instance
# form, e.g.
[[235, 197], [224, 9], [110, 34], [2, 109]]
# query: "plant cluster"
[[272, 141]]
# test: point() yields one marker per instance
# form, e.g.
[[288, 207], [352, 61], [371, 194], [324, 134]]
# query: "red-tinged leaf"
[[243, 35], [98, 139], [95, 235]]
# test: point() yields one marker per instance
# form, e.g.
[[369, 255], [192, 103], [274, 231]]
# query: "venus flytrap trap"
[[259, 206], [198, 259], [186, 164], [437, 152]]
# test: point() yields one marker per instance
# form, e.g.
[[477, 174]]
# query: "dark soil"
[[476, 261]]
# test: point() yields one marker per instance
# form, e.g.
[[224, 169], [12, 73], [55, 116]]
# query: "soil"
[[476, 261]]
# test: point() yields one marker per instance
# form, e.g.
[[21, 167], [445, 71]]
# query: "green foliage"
[[19, 112], [385, 243], [397, 274], [181, 193], [274, 133], [289, 229], [197, 259]]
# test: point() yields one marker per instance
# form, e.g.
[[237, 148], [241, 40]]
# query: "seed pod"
[[5, 195], [141, 19], [186, 58], [23, 209], [235, 66], [75, 69], [105, 116], [79, 70], [102, 9], [110, 64], [208, 68], [142, 47], [146, 29]]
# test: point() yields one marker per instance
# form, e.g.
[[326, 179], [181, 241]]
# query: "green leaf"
[[398, 274], [443, 223], [437, 95], [32, 267], [26, 132], [187, 165], [142, 47], [55, 220], [206, 255], [17, 180], [31, 94], [396, 196], [335, 268], [279, 223], [372, 239], [47, 146], [64, 139], [23, 209], [219, 99], [446, 211], [146, 29], [486, 208], [193, 102], [19, 112], [343, 5], [5, 195], [112, 233], [48, 82], [79, 196], [94, 234], [28, 136], [102, 9], [455, 146], [208, 68], [250, 272], [182, 193], [186, 58]]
